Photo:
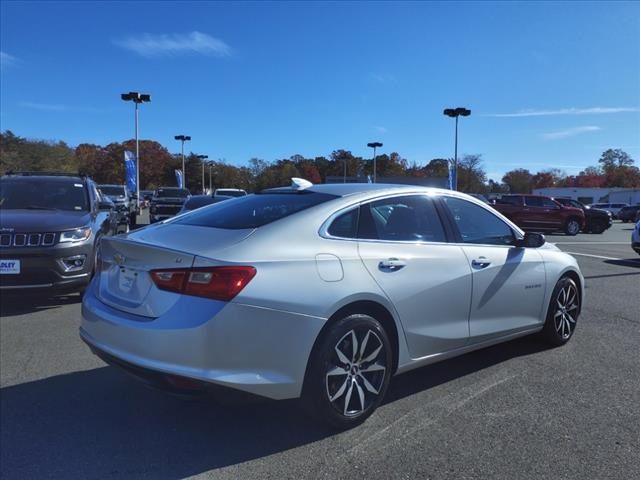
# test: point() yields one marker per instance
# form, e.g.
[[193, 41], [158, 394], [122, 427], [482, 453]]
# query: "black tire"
[[562, 316], [572, 227], [346, 404]]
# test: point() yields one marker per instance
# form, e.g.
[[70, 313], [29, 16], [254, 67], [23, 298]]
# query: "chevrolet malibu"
[[323, 292]]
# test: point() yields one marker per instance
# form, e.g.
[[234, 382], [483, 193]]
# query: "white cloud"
[[6, 59], [48, 107], [566, 111], [174, 44], [569, 132]]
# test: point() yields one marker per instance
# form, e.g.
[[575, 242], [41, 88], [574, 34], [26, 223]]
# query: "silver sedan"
[[323, 292]]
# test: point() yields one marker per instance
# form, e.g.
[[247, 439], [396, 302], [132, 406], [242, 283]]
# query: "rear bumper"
[[256, 350]]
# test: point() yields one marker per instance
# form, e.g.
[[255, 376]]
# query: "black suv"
[[596, 219], [50, 227], [167, 202], [630, 213]]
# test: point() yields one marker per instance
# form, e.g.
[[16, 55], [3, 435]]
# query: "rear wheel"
[[572, 227], [562, 316], [349, 373]]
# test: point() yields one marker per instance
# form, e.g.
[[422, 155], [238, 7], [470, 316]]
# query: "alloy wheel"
[[565, 316], [356, 372], [573, 227]]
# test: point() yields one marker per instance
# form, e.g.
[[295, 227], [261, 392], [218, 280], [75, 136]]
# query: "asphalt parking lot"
[[517, 410]]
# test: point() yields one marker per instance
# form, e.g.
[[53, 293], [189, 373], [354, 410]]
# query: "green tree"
[[614, 158], [471, 175], [518, 180]]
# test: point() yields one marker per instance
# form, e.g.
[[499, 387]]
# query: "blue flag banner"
[[130, 170], [179, 178], [452, 176]]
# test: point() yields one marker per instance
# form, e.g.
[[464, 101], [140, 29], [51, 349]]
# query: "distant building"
[[629, 195], [590, 195]]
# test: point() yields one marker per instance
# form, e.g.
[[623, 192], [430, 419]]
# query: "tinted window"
[[202, 200], [478, 225], [345, 225], [534, 201], [408, 218], [112, 190], [43, 194], [254, 211], [548, 203], [172, 192], [509, 200], [197, 202]]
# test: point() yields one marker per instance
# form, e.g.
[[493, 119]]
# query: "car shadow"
[[23, 304], [101, 423], [625, 262]]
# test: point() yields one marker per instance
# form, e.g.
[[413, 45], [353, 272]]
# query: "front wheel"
[[349, 373], [562, 316], [572, 227]]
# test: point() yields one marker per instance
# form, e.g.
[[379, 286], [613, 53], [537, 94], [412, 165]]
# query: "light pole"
[[374, 145], [136, 98], [456, 112], [202, 159], [210, 187], [183, 138]]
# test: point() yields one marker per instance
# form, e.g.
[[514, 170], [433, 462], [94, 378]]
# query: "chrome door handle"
[[391, 265], [480, 262]]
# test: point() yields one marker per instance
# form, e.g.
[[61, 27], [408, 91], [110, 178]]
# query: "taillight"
[[219, 283]]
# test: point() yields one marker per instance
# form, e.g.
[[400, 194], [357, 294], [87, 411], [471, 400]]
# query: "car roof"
[[75, 178], [344, 189]]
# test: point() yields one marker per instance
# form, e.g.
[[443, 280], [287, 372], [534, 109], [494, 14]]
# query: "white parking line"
[[590, 243], [593, 256]]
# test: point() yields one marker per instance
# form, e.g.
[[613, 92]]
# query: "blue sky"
[[550, 84]]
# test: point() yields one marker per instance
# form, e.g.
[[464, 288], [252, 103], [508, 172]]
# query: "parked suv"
[[167, 202], [596, 220], [50, 228], [629, 213], [614, 208], [537, 212], [123, 201]]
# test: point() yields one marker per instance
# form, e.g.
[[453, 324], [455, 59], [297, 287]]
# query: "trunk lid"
[[124, 282]]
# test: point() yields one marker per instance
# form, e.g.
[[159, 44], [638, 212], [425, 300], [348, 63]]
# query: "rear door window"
[[345, 226], [403, 218]]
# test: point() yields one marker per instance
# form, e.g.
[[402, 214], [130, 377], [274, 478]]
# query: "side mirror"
[[531, 240], [105, 206]]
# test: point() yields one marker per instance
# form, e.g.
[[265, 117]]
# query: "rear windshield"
[[197, 202], [172, 192], [43, 194], [253, 211]]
